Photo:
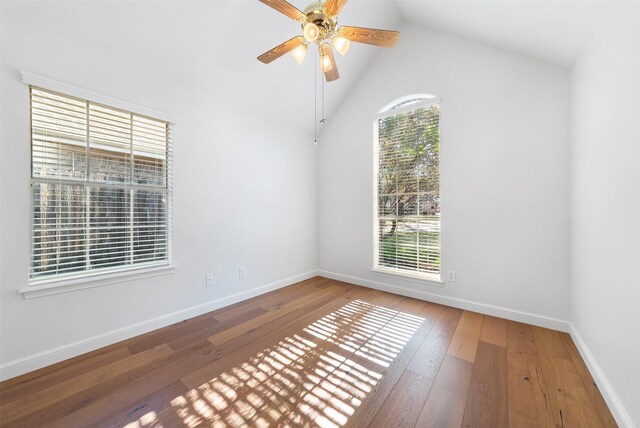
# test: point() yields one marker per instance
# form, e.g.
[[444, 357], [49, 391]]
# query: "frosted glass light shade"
[[311, 32], [299, 53], [325, 64], [342, 45]]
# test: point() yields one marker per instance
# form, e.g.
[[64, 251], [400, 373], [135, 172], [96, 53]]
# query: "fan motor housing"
[[317, 14]]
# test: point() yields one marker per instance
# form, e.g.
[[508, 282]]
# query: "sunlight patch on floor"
[[317, 377]]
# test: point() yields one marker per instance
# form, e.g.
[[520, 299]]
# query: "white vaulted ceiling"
[[551, 31], [213, 45]]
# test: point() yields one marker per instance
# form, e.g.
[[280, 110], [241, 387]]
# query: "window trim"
[[406, 108], [427, 99], [387, 111], [49, 286], [427, 279]]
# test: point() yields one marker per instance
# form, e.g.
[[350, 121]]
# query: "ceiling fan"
[[319, 23]]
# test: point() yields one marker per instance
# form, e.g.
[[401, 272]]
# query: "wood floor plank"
[[328, 359], [525, 407], [487, 397], [403, 405], [146, 408], [520, 339], [427, 314], [250, 337], [171, 418], [426, 358], [464, 343], [590, 385], [240, 329], [212, 370], [320, 282], [367, 410], [54, 394], [494, 331], [279, 300], [48, 379], [531, 402], [171, 333], [575, 406], [470, 324], [98, 354], [429, 356], [112, 399], [445, 403], [241, 313], [196, 336]]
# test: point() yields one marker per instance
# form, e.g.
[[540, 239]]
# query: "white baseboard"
[[496, 311], [615, 405], [52, 356]]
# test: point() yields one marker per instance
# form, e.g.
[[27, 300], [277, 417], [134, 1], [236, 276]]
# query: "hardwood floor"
[[319, 353]]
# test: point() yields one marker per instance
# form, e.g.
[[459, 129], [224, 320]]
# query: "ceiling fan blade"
[[332, 74], [286, 8], [333, 7], [370, 36], [281, 49]]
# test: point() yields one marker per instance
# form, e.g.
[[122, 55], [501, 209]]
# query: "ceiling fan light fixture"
[[299, 53], [319, 25], [325, 63], [341, 44], [311, 32]]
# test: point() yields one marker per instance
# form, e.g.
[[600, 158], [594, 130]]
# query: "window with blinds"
[[101, 188], [407, 219]]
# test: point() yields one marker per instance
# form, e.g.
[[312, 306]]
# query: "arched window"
[[407, 100], [407, 189]]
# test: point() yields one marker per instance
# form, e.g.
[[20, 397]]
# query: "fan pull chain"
[[315, 100], [323, 118]]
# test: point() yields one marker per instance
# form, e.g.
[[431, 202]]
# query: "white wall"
[[244, 192], [605, 209], [504, 162]]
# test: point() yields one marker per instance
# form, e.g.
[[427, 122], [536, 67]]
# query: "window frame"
[[389, 110], [37, 287]]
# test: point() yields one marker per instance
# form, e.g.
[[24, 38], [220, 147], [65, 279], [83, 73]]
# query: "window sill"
[[413, 277], [49, 287]]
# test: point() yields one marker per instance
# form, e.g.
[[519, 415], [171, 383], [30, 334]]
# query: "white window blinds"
[[407, 231], [101, 188]]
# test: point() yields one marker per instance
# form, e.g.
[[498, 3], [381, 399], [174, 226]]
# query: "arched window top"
[[407, 100]]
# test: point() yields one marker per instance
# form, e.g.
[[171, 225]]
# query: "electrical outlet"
[[451, 276], [209, 280], [242, 272]]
